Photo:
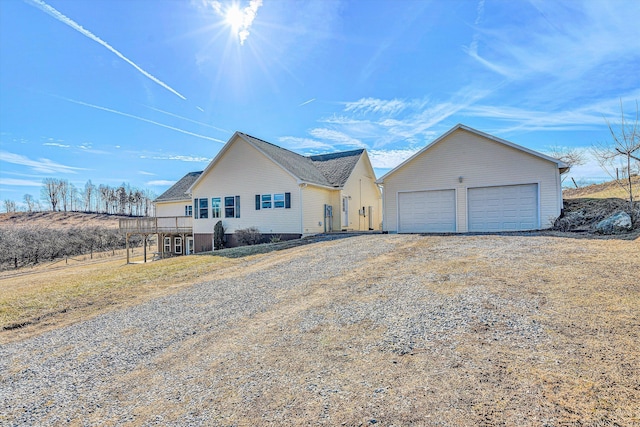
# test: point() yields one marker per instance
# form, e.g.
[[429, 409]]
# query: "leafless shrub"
[[617, 157], [29, 245], [248, 236]]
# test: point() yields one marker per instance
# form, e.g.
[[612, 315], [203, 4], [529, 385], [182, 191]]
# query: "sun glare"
[[234, 17]]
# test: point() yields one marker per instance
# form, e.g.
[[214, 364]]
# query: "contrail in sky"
[[307, 102], [142, 119], [68, 21], [187, 119]]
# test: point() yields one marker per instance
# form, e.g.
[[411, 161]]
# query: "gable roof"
[[179, 190], [325, 170], [563, 167], [337, 167]]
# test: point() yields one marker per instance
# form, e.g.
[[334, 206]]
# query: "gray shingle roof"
[[330, 170], [178, 191], [337, 167]]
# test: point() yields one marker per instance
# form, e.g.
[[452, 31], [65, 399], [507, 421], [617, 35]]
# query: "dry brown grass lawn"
[[48, 296], [605, 190], [268, 370]]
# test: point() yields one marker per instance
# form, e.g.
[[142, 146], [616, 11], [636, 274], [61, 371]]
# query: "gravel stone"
[[66, 375]]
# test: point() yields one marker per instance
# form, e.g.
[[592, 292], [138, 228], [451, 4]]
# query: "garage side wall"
[[481, 162]]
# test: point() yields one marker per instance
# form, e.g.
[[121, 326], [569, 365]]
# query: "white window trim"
[[235, 207], [283, 201], [220, 207], [263, 201], [203, 209]]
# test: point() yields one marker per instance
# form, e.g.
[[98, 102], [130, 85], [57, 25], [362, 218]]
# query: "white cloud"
[[146, 173], [160, 182], [41, 165], [389, 159], [249, 14], [20, 182], [71, 23], [415, 126], [240, 19], [586, 117], [56, 144], [374, 105], [303, 143], [590, 172], [560, 40], [337, 137], [180, 158]]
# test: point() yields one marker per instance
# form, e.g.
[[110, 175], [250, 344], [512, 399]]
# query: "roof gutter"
[[311, 184]]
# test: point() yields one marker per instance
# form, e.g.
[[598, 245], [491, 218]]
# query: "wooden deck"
[[157, 225]]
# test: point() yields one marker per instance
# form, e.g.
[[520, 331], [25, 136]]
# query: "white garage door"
[[506, 208], [427, 211]]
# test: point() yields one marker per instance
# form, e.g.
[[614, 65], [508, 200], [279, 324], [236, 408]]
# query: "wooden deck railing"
[[168, 224]]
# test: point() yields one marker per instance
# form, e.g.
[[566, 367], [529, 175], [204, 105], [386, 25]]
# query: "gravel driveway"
[[331, 333]]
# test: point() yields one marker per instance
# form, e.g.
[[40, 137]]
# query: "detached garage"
[[469, 181]]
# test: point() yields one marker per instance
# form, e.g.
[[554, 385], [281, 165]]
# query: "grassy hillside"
[[59, 219], [605, 190]]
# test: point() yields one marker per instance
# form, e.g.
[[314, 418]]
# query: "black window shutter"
[[195, 208], [257, 202], [287, 200], [237, 206]]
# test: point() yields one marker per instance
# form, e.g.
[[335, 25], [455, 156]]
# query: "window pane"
[[229, 207], [204, 208], [266, 201], [278, 200], [215, 207]]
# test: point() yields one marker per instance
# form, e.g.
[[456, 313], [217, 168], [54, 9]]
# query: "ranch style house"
[[253, 183]]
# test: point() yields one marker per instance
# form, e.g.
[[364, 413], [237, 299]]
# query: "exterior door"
[[345, 212], [189, 249]]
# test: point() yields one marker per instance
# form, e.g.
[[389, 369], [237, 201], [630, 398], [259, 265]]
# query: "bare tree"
[[622, 150], [9, 206], [51, 192], [66, 197], [89, 190], [122, 198], [29, 202], [570, 156]]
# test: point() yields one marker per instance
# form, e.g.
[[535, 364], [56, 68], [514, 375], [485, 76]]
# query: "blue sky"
[[144, 91]]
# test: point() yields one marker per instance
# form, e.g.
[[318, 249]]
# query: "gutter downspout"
[[300, 187], [560, 198], [381, 187]]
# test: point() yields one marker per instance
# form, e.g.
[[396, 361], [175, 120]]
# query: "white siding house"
[[253, 183], [470, 181]]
